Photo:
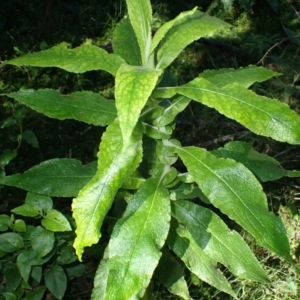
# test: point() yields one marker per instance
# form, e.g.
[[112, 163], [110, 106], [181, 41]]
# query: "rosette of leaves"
[[164, 216]]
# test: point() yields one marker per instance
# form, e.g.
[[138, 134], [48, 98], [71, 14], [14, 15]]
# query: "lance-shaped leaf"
[[140, 15], [184, 31], [134, 248], [195, 259], [125, 43], [86, 106], [134, 85], [264, 116], [243, 76], [266, 168], [232, 188], [116, 162], [79, 60], [59, 177], [217, 241]]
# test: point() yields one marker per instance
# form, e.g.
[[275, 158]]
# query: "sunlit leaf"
[[56, 221]]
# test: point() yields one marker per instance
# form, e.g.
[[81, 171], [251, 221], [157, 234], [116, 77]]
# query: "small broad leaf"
[[140, 15], [12, 276], [56, 281], [86, 106], [134, 248], [4, 222], [30, 138], [173, 279], [134, 181], [36, 294], [125, 43], [25, 210], [50, 177], [9, 296], [186, 29], [6, 157], [66, 256], [184, 246], [116, 162], [263, 166], [243, 76], [56, 221], [10, 242], [232, 188], [217, 241], [134, 85], [79, 60], [42, 240], [40, 203], [18, 225]]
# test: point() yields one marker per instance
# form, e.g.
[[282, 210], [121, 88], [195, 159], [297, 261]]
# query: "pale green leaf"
[[42, 240], [125, 43], [184, 246], [134, 85], [232, 188], [264, 116], [133, 182], [79, 60], [171, 274], [243, 76], [216, 240], [140, 15], [86, 106], [263, 166], [18, 225], [185, 191], [157, 133], [134, 248], [116, 162], [59, 177], [186, 29], [56, 221], [56, 281], [25, 210]]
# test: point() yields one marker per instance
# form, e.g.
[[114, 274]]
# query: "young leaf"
[[125, 43], [56, 281], [42, 240], [232, 188], [186, 29], [86, 106], [50, 177], [116, 162], [136, 237], [263, 166], [30, 138], [25, 210], [185, 247], [216, 240], [56, 221], [79, 60], [134, 85], [140, 15]]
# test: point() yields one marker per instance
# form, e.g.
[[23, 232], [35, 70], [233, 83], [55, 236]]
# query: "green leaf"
[[6, 157], [30, 138], [79, 60], [56, 221], [232, 188], [86, 106], [40, 203], [134, 85], [25, 210], [173, 279], [37, 273], [116, 162], [50, 177], [9, 296], [264, 116], [66, 256], [36, 294], [140, 15], [187, 28], [42, 241], [4, 222], [12, 276], [184, 246], [157, 133], [221, 244], [243, 76], [10, 242], [125, 43], [134, 181], [185, 191], [134, 248], [18, 225], [56, 281], [263, 166]]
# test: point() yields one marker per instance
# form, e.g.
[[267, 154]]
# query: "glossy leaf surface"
[[134, 85], [116, 162], [136, 237], [79, 60], [50, 177], [86, 106], [232, 188]]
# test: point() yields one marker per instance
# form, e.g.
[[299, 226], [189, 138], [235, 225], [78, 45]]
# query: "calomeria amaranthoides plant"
[[164, 217]]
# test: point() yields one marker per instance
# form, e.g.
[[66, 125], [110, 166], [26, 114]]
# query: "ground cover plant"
[[137, 174]]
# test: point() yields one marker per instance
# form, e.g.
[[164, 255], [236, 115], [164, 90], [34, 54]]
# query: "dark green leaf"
[[56, 281], [12, 276], [42, 241], [36, 294], [4, 222], [30, 138], [10, 242]]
